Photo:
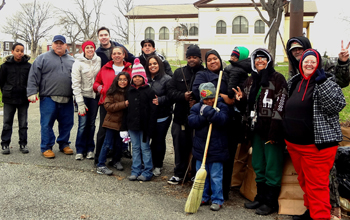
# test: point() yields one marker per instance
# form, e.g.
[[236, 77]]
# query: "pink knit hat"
[[138, 70]]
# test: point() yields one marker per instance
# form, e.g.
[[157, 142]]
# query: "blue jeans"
[[51, 111], [213, 182], [141, 151], [112, 140], [86, 128], [9, 114]]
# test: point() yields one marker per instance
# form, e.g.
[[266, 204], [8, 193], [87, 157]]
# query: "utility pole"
[[296, 18]]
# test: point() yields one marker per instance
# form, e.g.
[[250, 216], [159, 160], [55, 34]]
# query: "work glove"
[[217, 109], [321, 76], [202, 109], [82, 109], [99, 88], [33, 98], [125, 136]]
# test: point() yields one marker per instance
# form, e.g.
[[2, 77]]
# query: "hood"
[[319, 61], [306, 45], [253, 56], [243, 53], [9, 59], [216, 54]]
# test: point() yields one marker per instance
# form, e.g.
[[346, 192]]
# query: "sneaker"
[[127, 154], [67, 151], [118, 166], [23, 149], [90, 155], [156, 171], [5, 150], [205, 203], [132, 178], [215, 207], [142, 178], [79, 157], [174, 180], [49, 154], [104, 170]]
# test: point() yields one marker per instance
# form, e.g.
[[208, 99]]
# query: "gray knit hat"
[[207, 90]]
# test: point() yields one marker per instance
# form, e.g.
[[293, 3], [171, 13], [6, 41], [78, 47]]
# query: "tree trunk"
[[272, 41]]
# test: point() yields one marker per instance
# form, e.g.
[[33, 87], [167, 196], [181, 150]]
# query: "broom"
[[195, 197]]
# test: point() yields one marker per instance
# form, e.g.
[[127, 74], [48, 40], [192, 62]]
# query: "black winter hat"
[[193, 50], [148, 41], [216, 54]]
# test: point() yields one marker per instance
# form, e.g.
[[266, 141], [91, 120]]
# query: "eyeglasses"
[[122, 80], [260, 58], [309, 62]]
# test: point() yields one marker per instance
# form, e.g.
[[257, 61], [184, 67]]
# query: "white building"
[[212, 24]]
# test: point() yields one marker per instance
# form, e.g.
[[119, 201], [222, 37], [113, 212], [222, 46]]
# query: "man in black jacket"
[[180, 93], [148, 49]]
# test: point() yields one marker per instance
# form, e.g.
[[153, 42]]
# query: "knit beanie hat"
[[193, 50], [207, 90], [88, 42], [306, 53], [138, 70], [235, 53]]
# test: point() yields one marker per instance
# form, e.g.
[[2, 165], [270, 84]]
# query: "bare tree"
[[274, 9], [31, 24], [72, 32], [122, 21], [86, 19], [2, 4]]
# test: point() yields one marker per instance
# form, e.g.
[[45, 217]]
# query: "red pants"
[[313, 167]]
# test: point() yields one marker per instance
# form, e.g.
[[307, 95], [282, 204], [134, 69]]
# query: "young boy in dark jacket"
[[202, 115]]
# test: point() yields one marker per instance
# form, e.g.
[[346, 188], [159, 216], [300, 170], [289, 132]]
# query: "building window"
[[149, 33], [7, 46], [221, 27], [164, 33], [194, 31], [180, 31], [259, 27], [240, 25]]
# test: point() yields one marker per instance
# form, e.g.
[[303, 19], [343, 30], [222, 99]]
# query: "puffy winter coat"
[[14, 79], [105, 78], [176, 91], [84, 73], [218, 149], [237, 73], [159, 86], [114, 106]]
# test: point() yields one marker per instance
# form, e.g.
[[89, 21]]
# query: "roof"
[[163, 11]]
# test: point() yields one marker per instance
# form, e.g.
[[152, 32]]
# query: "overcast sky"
[[329, 26]]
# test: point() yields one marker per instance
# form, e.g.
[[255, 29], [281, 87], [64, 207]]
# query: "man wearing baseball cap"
[[50, 75]]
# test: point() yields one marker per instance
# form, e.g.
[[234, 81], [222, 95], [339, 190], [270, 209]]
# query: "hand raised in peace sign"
[[344, 52], [239, 93]]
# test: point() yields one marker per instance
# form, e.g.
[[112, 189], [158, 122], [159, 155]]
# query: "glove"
[[217, 109], [99, 88], [126, 140], [202, 109], [321, 76], [33, 98], [124, 134], [82, 109]]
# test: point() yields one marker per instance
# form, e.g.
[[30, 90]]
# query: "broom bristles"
[[194, 199]]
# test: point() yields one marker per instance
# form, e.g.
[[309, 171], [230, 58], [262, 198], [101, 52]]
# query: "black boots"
[[271, 201], [259, 198], [305, 216]]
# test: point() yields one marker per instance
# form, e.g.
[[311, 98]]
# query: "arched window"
[[164, 33], [149, 33], [221, 27], [240, 25], [259, 27], [194, 31], [180, 31]]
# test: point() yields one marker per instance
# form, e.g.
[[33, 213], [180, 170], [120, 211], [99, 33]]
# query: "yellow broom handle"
[[211, 125]]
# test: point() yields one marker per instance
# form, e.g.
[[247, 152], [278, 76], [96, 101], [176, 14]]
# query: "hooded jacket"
[[341, 70], [237, 73], [167, 67], [322, 121], [14, 79], [269, 103], [52, 74], [84, 73], [105, 78], [102, 53]]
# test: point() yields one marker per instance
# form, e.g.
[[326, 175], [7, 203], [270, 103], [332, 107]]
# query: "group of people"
[[139, 98]]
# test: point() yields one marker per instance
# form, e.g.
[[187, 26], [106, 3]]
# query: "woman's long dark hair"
[[115, 87], [161, 71]]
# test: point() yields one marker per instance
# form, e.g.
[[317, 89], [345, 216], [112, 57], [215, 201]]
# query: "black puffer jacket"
[[13, 80], [159, 86], [237, 73], [177, 88]]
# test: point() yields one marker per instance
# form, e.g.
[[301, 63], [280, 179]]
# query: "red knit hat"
[[88, 42]]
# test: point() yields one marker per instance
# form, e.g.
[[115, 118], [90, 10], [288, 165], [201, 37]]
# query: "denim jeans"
[[213, 182], [100, 137], [22, 115], [51, 111], [112, 141], [141, 151], [158, 143], [86, 128]]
